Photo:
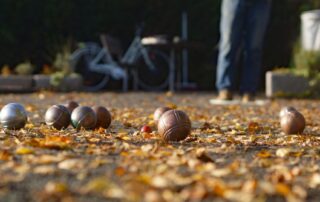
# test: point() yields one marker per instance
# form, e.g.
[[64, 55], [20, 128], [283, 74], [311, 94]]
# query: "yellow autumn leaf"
[[56, 187], [144, 178], [29, 126], [97, 185], [171, 105], [282, 189], [30, 107], [24, 150], [124, 153]]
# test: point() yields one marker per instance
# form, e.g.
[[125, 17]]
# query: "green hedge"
[[35, 29]]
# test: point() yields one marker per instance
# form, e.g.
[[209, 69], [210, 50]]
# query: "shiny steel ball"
[[13, 116], [83, 117], [158, 113], [103, 117], [174, 125], [293, 122], [285, 110], [71, 105], [57, 116]]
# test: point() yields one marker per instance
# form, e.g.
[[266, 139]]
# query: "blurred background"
[[36, 30]]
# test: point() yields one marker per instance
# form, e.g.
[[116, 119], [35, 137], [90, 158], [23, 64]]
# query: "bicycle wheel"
[[153, 78], [92, 81]]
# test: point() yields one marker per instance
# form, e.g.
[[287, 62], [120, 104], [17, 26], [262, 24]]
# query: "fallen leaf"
[[120, 171], [5, 155], [264, 154], [283, 189], [24, 150], [44, 170], [71, 164], [253, 127], [315, 180], [159, 182], [203, 156], [56, 187]]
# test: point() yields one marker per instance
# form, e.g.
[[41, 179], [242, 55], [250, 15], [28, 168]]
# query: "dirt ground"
[[234, 153]]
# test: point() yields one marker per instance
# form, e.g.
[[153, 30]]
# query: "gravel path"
[[234, 153]]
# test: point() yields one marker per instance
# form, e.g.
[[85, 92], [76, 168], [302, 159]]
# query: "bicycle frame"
[[109, 65], [135, 50], [100, 60]]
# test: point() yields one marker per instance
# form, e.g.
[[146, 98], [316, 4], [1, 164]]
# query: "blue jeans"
[[243, 22]]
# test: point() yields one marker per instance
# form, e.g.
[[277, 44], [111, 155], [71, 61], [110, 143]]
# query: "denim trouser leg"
[[241, 20], [231, 31], [256, 22]]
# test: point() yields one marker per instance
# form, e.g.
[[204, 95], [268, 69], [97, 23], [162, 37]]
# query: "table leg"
[[172, 70]]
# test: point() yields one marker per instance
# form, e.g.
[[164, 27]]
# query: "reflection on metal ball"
[[83, 117], [71, 105], [57, 116], [285, 110], [13, 116]]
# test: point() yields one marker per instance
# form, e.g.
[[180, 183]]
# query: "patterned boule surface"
[[103, 117], [174, 125], [83, 117], [58, 116]]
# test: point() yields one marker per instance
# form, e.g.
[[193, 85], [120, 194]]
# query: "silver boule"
[[83, 117], [13, 116], [285, 110]]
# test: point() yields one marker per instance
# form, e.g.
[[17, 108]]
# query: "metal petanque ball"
[[57, 116], [285, 110], [174, 125], [293, 122], [83, 117], [71, 105], [158, 113], [103, 117], [13, 116]]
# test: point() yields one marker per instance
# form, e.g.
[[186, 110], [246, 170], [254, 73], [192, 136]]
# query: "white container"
[[310, 28]]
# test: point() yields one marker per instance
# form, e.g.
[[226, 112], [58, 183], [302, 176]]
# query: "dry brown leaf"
[[120, 171], [5, 155], [264, 154], [202, 155], [283, 189]]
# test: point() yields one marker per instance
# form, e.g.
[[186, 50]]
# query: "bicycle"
[[150, 68]]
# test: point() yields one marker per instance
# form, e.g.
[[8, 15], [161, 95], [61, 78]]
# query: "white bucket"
[[310, 28]]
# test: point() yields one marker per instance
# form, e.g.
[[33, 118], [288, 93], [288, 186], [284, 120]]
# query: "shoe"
[[225, 95], [248, 97]]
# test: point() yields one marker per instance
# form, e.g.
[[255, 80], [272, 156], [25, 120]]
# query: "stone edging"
[[278, 83], [30, 83]]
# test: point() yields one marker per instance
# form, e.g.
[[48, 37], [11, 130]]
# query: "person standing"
[[243, 24]]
